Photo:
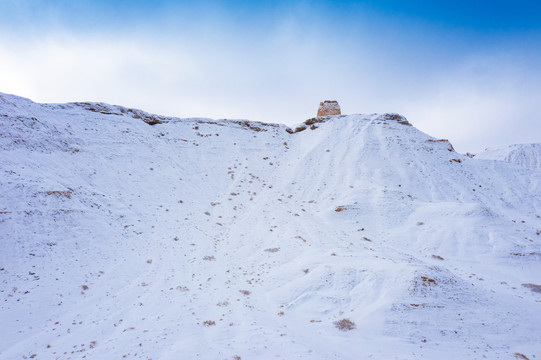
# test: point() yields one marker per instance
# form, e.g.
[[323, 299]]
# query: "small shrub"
[[149, 261], [272, 250], [345, 325], [209, 323], [427, 281], [437, 257], [60, 194], [209, 258], [245, 292]]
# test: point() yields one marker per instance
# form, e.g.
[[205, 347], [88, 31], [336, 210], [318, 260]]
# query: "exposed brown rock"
[[396, 117]]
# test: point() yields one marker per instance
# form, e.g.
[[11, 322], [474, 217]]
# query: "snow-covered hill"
[[131, 235], [525, 155]]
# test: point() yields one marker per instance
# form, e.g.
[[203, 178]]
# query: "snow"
[[525, 155], [200, 238]]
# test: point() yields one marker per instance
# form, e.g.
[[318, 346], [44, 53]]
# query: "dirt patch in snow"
[[533, 287]]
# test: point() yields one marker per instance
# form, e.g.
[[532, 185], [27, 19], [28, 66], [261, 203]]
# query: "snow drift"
[[525, 155]]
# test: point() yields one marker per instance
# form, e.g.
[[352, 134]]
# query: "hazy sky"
[[466, 70]]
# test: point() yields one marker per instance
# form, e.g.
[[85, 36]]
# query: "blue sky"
[[464, 70]]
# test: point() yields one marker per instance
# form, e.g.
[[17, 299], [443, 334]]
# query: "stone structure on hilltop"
[[328, 107]]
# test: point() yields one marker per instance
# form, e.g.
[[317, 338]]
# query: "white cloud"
[[488, 100]]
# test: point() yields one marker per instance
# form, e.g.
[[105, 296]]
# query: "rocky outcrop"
[[107, 109], [328, 107], [394, 117]]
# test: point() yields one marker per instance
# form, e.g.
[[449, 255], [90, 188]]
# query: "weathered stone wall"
[[328, 107]]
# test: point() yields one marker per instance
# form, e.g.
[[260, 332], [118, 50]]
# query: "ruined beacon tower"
[[328, 107]]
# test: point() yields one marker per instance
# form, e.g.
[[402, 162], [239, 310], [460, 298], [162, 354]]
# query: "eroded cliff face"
[[328, 107]]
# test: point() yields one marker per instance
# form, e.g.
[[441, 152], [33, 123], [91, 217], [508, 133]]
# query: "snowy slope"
[[216, 239], [525, 155]]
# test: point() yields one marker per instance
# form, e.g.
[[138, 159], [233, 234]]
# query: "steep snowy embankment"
[[199, 238], [525, 155]]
